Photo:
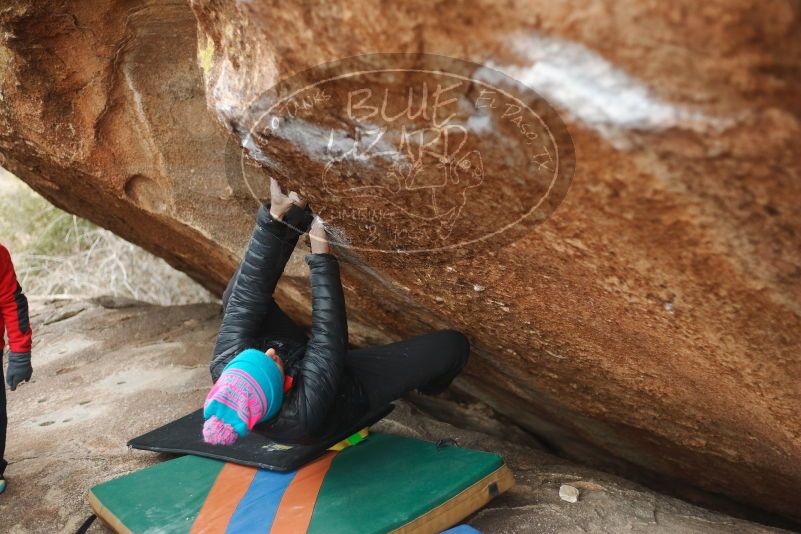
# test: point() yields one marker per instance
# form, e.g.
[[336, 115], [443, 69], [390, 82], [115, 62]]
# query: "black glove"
[[19, 369]]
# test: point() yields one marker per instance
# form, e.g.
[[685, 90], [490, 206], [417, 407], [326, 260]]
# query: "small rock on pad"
[[568, 493]]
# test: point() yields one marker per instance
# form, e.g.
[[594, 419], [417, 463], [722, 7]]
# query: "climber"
[[14, 321], [299, 389]]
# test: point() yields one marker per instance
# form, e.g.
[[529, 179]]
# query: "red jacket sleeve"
[[13, 307]]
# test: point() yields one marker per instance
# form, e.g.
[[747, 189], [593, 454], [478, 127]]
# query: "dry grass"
[[57, 254]]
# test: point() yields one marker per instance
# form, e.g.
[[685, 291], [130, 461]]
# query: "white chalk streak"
[[592, 90]]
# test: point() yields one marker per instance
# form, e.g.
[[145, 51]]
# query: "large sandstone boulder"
[[650, 325]]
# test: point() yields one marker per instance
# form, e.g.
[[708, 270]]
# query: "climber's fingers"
[[297, 200], [275, 190]]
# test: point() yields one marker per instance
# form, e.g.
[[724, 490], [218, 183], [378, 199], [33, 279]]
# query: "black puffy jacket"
[[324, 396]]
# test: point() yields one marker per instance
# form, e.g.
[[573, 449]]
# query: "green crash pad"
[[383, 484]]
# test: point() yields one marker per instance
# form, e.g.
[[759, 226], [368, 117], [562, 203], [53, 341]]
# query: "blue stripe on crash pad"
[[256, 510], [461, 529]]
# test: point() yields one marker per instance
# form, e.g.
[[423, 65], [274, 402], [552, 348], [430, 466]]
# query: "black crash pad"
[[184, 436]]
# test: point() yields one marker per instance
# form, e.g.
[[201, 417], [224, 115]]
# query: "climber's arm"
[[296, 217], [319, 371], [247, 301], [318, 375], [251, 294], [13, 307], [14, 314]]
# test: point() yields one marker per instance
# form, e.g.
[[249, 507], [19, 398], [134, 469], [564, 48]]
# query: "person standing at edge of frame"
[[14, 321]]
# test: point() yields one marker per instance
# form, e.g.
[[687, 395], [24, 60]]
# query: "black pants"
[[428, 362], [3, 420]]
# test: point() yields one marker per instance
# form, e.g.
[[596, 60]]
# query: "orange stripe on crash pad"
[[231, 485], [297, 505]]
